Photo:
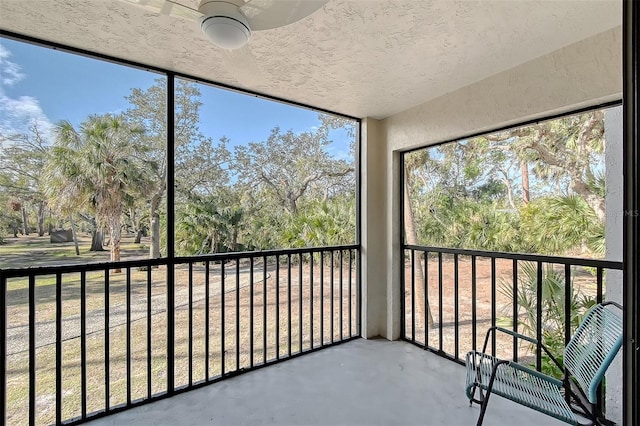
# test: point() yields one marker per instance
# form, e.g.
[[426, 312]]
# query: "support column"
[[395, 255], [613, 232], [375, 247], [631, 170]]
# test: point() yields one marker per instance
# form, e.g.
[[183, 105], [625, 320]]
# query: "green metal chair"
[[573, 399]]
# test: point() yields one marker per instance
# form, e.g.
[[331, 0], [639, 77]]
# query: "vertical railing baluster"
[[403, 294], [3, 347], [83, 345], [190, 326], [567, 303], [427, 306], [350, 283], [289, 303], [149, 335], [264, 309], [251, 313], [456, 307], [539, 316], [331, 259], [311, 334], [440, 301], [341, 258], [300, 301], [170, 233], [207, 319], [277, 307], [358, 291], [493, 304], [128, 332], [599, 292], [599, 298], [107, 345], [321, 298], [567, 321], [515, 308], [222, 319], [474, 308], [32, 349], [237, 314], [58, 348], [413, 296]]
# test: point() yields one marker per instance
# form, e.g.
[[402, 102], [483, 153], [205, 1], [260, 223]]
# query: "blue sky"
[[48, 86]]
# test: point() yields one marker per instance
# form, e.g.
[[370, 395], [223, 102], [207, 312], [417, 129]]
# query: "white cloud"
[[10, 72], [18, 114]]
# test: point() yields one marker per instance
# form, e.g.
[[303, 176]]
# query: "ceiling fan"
[[229, 23]]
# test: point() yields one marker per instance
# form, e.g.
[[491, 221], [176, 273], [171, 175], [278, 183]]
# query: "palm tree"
[[98, 167]]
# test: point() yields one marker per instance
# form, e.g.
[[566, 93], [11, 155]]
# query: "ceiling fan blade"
[[268, 14], [167, 7]]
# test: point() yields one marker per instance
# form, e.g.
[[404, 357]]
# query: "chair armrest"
[[509, 332], [523, 337]]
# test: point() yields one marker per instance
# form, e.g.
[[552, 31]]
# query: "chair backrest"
[[593, 347]]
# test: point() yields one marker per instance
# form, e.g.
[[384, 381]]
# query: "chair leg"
[[473, 395], [477, 383], [485, 398], [483, 409]]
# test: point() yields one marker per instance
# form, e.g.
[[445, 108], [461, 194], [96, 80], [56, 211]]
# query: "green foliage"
[[471, 193], [321, 223], [292, 168], [289, 190], [98, 167], [560, 224], [22, 157], [470, 224], [206, 224]]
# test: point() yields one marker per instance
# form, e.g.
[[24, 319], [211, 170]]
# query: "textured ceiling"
[[364, 58]]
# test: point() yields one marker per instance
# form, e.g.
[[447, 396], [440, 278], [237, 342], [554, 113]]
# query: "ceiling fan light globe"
[[225, 32]]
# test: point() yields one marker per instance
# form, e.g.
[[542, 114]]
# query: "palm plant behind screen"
[[552, 305]]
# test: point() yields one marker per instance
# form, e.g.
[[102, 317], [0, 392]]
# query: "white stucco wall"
[[613, 232], [582, 74], [585, 73]]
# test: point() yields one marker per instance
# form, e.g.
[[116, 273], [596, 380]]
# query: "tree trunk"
[[214, 243], [234, 239], [138, 236], [154, 248], [25, 225], [96, 241], [75, 236], [41, 212], [524, 168], [507, 183], [593, 200], [412, 239], [115, 233]]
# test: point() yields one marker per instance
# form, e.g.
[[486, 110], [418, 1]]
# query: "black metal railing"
[[83, 341], [452, 296]]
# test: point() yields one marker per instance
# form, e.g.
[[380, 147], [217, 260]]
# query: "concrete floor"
[[363, 382]]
